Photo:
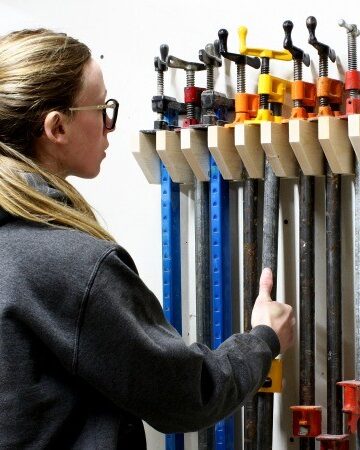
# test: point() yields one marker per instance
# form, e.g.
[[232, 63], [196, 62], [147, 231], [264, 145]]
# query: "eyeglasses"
[[109, 112]]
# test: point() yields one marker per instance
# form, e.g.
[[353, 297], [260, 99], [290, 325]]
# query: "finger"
[[266, 282]]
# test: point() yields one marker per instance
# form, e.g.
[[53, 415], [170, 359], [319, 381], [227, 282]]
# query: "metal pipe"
[[333, 295], [203, 295], [269, 259], [357, 282], [307, 298], [250, 221]]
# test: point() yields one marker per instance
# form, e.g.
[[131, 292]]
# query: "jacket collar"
[[37, 182]]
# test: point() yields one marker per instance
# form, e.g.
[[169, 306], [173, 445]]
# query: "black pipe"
[[250, 291], [203, 296], [333, 295], [307, 298], [269, 259]]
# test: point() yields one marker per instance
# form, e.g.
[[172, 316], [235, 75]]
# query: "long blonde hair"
[[40, 71]]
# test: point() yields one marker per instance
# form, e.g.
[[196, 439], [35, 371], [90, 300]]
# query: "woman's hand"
[[278, 316]]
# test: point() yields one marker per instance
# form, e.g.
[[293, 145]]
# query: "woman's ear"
[[55, 127]]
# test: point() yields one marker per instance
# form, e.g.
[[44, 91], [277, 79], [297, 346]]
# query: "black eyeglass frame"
[[103, 107]]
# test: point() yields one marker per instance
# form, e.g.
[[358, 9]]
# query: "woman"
[[85, 351]]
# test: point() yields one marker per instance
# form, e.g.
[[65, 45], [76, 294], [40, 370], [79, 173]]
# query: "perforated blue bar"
[[220, 282], [170, 223]]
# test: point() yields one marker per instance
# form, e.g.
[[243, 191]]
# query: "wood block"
[[168, 148], [248, 145], [222, 147], [354, 132], [194, 147], [303, 138], [274, 139], [147, 157], [334, 139]]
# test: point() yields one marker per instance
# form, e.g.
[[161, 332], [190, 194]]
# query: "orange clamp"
[[246, 106], [306, 420], [330, 88], [333, 442], [351, 403], [306, 92]]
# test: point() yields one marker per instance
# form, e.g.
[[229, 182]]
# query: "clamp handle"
[[296, 52], [351, 28], [282, 55], [323, 49], [235, 57], [210, 56], [160, 62], [178, 63]]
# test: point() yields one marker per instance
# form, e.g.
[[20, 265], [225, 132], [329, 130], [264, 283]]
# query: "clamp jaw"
[[273, 88], [167, 108], [351, 403], [273, 382], [246, 105], [192, 94], [214, 105], [328, 90], [303, 94], [306, 421], [333, 442]]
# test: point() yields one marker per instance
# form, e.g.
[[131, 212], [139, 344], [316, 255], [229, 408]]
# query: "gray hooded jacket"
[[86, 353]]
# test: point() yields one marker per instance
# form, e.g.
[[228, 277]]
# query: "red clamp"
[[187, 122], [333, 442], [192, 94], [306, 420], [352, 81], [351, 403]]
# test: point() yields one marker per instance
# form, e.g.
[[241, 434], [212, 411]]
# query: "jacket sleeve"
[[127, 350]]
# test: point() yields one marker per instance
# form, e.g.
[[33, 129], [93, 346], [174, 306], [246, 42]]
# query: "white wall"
[[129, 38]]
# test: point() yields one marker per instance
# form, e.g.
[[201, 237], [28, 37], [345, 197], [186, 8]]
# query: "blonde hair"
[[40, 71]]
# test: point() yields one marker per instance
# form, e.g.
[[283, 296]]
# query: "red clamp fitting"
[[352, 80], [351, 403], [333, 442], [306, 420], [187, 122], [352, 106], [192, 94]]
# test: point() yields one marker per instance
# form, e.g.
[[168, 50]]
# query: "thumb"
[[266, 283]]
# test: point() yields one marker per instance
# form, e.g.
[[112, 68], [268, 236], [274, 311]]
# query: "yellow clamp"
[[275, 87], [283, 55], [273, 382]]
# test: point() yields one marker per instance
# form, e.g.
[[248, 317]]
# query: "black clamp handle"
[[160, 62], [177, 63], [237, 58], [323, 50], [210, 56], [297, 53]]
